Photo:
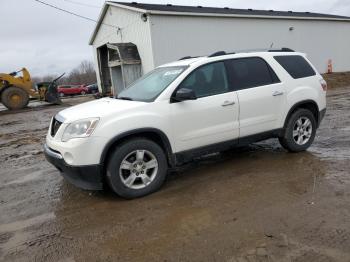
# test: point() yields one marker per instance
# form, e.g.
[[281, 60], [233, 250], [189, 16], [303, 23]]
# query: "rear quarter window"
[[296, 66]]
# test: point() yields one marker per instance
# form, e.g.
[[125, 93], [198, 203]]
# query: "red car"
[[72, 90]]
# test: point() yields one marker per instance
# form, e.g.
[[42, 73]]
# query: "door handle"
[[228, 103], [277, 93]]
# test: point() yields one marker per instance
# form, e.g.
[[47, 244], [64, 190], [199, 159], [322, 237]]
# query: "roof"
[[170, 9], [226, 11]]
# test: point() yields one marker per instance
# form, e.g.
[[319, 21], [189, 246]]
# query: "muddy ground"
[[256, 204], [339, 79]]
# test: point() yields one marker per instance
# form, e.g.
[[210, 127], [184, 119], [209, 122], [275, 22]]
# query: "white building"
[[164, 33]]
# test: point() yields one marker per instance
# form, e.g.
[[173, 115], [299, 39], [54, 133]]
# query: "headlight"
[[80, 128]]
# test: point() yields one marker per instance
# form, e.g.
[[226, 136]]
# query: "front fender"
[[132, 121], [155, 119], [164, 139]]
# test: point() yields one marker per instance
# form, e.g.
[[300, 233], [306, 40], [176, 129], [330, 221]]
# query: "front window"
[[207, 80], [151, 85]]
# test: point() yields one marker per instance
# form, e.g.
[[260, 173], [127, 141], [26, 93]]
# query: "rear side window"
[[251, 72], [296, 66]]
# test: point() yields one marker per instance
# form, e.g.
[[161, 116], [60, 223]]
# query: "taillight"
[[323, 84]]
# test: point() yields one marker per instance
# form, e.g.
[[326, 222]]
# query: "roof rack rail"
[[188, 57], [247, 51], [283, 49], [219, 53], [185, 57]]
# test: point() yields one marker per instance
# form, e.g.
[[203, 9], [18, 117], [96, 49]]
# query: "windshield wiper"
[[125, 98]]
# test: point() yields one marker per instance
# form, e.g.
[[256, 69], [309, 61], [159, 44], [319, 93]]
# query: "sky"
[[49, 42]]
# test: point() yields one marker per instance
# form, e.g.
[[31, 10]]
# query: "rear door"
[[260, 93]]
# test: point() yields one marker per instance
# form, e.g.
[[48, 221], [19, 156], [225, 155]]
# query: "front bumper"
[[85, 177]]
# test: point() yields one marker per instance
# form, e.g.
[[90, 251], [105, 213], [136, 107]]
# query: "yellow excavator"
[[15, 91]]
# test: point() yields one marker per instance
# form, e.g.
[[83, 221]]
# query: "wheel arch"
[[153, 134], [4, 86], [310, 105]]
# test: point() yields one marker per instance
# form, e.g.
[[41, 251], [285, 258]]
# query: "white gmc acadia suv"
[[183, 110]]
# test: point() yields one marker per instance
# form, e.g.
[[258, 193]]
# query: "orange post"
[[330, 66]]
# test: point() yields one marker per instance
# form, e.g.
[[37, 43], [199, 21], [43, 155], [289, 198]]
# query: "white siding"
[[133, 30], [176, 36]]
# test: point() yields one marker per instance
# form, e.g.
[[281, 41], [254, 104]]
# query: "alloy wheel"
[[302, 130], [138, 169]]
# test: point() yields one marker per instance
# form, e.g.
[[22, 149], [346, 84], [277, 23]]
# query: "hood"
[[97, 108]]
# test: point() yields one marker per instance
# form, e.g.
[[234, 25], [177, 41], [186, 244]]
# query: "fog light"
[[68, 157]]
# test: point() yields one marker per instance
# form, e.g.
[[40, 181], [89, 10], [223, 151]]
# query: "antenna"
[[271, 45]]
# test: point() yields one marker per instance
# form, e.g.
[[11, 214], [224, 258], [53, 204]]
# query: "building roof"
[[170, 9], [226, 11]]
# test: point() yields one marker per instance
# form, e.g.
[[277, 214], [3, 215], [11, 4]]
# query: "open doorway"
[[119, 66], [104, 71]]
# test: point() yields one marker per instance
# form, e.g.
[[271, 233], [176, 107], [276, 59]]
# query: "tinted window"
[[296, 66], [251, 72], [207, 80]]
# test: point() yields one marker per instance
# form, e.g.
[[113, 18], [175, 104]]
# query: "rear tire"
[[136, 168], [300, 131], [14, 98], [83, 93]]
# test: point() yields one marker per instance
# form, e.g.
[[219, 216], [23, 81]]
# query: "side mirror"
[[184, 94]]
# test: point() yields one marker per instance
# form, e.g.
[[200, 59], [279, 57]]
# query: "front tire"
[[300, 131], [14, 98], [136, 168]]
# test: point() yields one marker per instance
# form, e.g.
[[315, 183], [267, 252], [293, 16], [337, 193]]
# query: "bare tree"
[[82, 74]]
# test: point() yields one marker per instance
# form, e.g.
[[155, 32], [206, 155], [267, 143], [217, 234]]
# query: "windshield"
[[151, 85]]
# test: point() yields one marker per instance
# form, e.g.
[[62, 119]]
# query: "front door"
[[212, 117]]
